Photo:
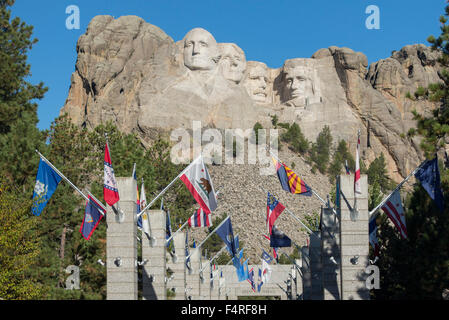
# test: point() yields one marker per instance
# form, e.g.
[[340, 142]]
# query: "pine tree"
[[426, 248], [19, 136], [320, 152]]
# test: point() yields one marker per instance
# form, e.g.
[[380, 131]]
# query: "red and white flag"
[[357, 187], [197, 180], [394, 210], [199, 219], [110, 190]]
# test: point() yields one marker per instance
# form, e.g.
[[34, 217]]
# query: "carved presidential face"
[[297, 83], [200, 50], [256, 83], [232, 62]]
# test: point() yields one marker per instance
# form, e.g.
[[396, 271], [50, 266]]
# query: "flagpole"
[[167, 187], [185, 223], [71, 184], [212, 259], [372, 213], [311, 189], [209, 235]]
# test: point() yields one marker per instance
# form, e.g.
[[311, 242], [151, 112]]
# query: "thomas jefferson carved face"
[[256, 82], [232, 62], [200, 50]]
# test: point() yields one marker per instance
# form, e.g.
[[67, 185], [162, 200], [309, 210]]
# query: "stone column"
[[306, 274], [354, 241], [178, 281], [205, 291], [193, 277], [153, 272], [330, 254], [316, 267], [121, 244]]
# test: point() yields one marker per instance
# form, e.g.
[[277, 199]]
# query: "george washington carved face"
[[200, 50]]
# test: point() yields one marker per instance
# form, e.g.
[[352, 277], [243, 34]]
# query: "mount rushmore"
[[132, 73]]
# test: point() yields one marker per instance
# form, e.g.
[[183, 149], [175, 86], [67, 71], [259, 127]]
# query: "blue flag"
[[429, 176], [227, 235], [47, 181], [279, 239], [92, 216], [266, 256]]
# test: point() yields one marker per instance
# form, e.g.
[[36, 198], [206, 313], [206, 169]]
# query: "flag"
[[347, 167], [357, 187], [236, 241], [394, 210], [110, 190], [221, 280], [139, 220], [227, 235], [199, 219], [278, 239], [260, 282], [275, 255], [373, 237], [198, 182], [429, 176], [251, 279], [188, 265], [47, 181], [145, 224], [289, 180], [266, 256], [92, 216], [266, 271], [168, 227], [274, 209]]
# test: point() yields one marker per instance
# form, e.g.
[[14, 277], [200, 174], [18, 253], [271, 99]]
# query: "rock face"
[[132, 73]]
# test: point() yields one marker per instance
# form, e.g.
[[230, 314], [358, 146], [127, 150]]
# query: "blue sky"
[[270, 31]]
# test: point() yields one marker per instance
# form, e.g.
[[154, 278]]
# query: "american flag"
[[394, 210]]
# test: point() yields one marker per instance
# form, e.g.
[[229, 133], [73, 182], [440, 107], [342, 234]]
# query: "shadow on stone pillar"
[[330, 254], [316, 267], [178, 267], [154, 271], [121, 244]]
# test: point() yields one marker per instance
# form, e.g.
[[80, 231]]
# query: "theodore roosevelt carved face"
[[200, 50], [256, 82]]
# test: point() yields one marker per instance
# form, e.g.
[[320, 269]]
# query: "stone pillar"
[[330, 254], [153, 272], [205, 291], [306, 274], [121, 244], [354, 241], [316, 267], [178, 281], [192, 276]]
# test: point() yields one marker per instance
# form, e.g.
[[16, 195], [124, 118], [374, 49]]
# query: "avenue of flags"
[[198, 181]]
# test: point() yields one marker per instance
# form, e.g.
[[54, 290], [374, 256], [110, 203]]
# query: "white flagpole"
[[69, 182], [372, 213], [209, 235], [167, 187]]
